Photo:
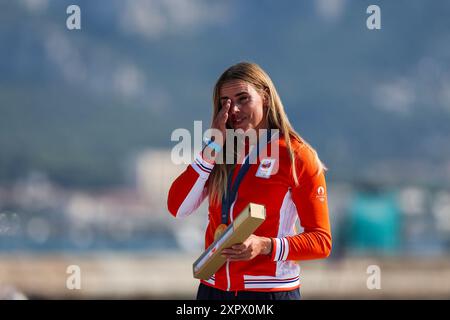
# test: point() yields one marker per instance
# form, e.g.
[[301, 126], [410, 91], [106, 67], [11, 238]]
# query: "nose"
[[234, 108]]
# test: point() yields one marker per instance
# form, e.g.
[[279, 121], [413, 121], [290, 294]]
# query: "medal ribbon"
[[229, 197]]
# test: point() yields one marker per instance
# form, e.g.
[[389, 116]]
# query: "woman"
[[265, 265]]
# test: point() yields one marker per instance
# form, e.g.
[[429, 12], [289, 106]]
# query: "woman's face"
[[246, 109]]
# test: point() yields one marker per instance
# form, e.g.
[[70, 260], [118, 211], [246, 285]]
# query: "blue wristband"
[[213, 145]]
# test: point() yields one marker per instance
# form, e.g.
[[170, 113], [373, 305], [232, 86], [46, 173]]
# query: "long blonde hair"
[[276, 118]]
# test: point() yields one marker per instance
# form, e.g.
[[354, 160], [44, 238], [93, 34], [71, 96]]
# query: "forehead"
[[231, 88]]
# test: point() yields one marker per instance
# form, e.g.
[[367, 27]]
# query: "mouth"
[[238, 121]]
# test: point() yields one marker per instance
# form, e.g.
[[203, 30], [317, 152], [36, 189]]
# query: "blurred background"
[[86, 118]]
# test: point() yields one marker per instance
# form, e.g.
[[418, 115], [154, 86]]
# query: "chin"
[[243, 128]]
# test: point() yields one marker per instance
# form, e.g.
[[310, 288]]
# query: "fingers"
[[242, 251], [225, 108], [225, 117], [222, 116], [231, 251], [237, 252], [226, 104], [239, 247], [234, 255]]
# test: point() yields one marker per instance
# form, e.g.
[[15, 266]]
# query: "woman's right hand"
[[220, 121], [219, 125]]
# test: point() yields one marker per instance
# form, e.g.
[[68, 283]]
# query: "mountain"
[[78, 104]]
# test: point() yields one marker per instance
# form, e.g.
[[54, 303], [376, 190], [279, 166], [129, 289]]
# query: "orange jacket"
[[285, 202]]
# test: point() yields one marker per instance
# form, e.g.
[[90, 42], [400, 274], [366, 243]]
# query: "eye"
[[244, 99]]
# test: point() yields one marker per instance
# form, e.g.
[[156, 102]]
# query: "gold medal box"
[[242, 227]]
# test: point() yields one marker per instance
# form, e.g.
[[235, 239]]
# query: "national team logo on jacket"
[[265, 168], [321, 194]]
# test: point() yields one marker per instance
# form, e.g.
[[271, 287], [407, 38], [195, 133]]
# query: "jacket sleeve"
[[310, 199], [189, 190]]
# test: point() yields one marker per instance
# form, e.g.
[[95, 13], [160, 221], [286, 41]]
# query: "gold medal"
[[219, 230]]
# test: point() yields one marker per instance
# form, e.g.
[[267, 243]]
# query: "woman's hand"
[[249, 249], [220, 121], [219, 125]]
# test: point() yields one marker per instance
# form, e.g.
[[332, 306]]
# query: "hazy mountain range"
[[77, 105]]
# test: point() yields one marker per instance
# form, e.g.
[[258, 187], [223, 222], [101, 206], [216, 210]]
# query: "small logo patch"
[[265, 168], [321, 194]]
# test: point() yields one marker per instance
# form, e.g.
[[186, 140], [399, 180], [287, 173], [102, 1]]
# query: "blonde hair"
[[276, 118]]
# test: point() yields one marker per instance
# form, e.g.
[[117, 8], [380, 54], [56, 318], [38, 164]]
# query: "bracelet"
[[213, 145]]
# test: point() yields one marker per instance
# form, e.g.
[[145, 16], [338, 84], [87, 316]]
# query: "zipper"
[[228, 262], [227, 269], [228, 276]]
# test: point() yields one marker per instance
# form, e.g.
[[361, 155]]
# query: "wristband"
[[213, 145]]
